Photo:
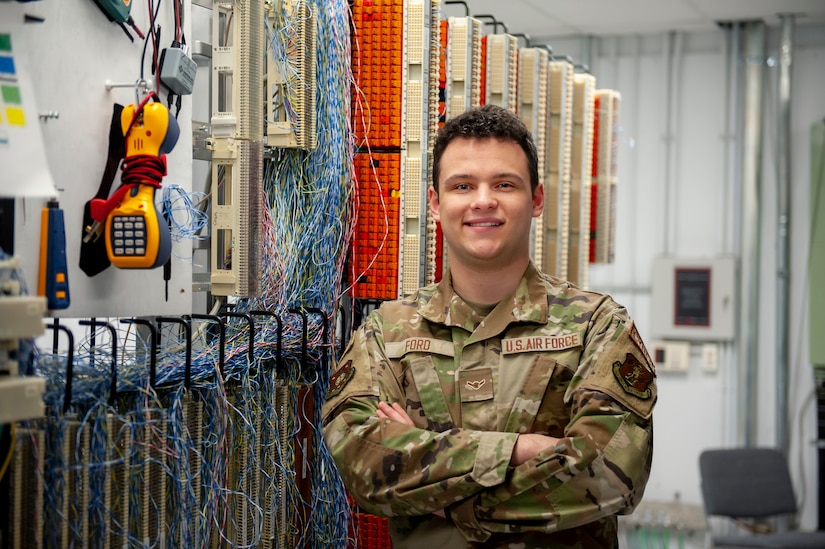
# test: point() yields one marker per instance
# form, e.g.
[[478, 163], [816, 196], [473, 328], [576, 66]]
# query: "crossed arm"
[[528, 445], [564, 469]]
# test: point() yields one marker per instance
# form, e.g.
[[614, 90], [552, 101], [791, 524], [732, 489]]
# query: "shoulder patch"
[[340, 378], [633, 377], [637, 340]]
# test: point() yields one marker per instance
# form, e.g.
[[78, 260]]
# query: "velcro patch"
[[475, 385], [634, 377], [397, 349], [340, 378], [529, 344]]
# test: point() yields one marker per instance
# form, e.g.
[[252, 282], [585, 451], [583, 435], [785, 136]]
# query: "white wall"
[[69, 57], [699, 217]]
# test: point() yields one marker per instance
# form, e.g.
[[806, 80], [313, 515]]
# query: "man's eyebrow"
[[508, 175], [459, 176], [502, 175]]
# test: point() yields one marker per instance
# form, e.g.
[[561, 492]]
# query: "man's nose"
[[484, 198]]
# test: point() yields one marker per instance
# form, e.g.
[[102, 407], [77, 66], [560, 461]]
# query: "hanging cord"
[[152, 36], [144, 169]]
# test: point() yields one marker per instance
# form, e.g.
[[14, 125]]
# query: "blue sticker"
[[7, 65]]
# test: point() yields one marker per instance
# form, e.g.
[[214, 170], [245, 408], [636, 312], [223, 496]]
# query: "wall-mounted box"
[[694, 298], [671, 356]]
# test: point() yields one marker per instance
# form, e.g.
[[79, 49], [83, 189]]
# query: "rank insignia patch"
[[340, 378], [633, 376]]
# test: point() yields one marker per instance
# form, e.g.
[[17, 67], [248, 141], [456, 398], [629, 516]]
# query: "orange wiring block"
[[374, 249]]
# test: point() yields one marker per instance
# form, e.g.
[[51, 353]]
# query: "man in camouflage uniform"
[[501, 407]]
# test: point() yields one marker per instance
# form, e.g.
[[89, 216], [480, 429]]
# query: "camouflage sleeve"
[[601, 466], [392, 469]]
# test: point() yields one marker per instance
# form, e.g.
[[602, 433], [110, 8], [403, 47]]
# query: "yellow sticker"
[[16, 116]]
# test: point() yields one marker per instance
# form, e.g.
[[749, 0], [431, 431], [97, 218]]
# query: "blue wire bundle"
[[310, 207]]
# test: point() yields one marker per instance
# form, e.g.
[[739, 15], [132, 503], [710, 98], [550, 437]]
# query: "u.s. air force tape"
[[540, 343]]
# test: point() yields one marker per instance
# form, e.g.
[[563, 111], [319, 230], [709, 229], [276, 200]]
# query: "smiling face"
[[485, 204]]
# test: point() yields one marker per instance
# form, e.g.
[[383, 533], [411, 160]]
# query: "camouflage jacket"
[[551, 359]]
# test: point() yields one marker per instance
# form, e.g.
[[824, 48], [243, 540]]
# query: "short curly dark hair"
[[484, 122]]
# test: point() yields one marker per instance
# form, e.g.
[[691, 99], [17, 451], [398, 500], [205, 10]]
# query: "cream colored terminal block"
[[557, 186], [292, 117], [532, 110], [415, 132], [605, 180], [581, 156], [434, 64], [463, 65], [237, 147], [502, 71], [20, 397]]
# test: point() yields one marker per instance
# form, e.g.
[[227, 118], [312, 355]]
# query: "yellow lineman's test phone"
[[137, 236]]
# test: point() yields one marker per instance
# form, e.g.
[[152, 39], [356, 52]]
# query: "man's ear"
[[432, 198], [538, 200]]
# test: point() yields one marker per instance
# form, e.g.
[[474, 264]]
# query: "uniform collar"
[[527, 304]]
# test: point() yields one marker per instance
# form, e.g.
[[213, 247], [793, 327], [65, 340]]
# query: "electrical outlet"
[[710, 357], [678, 355]]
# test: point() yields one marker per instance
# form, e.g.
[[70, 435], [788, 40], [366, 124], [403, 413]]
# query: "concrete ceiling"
[[544, 19]]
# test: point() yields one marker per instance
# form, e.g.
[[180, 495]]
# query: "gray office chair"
[[752, 483]]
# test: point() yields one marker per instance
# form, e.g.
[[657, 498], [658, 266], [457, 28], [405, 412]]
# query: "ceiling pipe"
[[671, 63], [783, 199], [733, 76], [748, 329]]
